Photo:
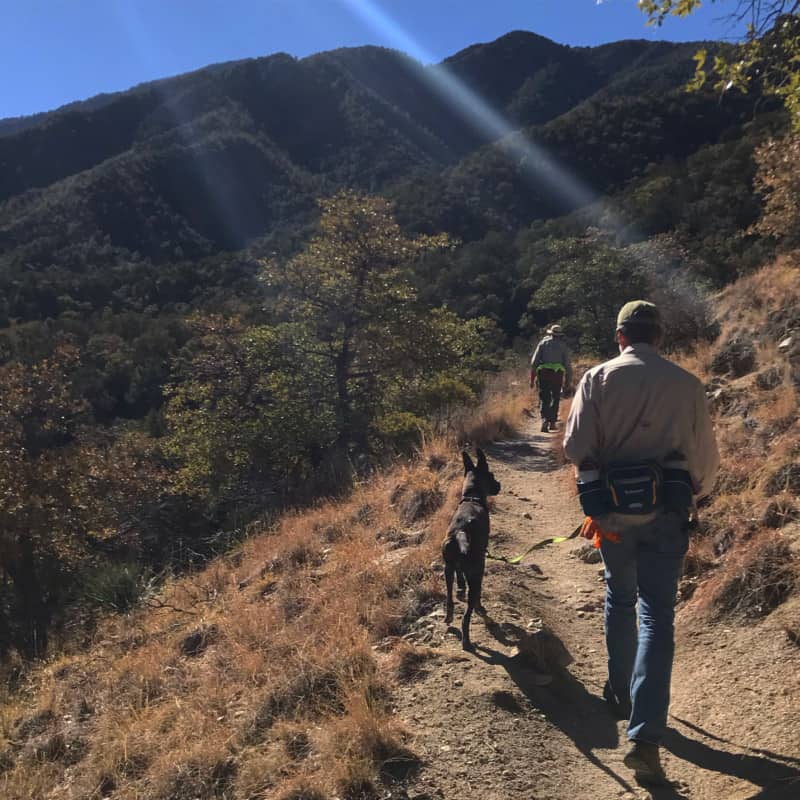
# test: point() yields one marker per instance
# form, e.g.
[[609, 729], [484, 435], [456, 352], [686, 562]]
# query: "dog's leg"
[[473, 604], [473, 600], [449, 571], [461, 594], [478, 584], [466, 643]]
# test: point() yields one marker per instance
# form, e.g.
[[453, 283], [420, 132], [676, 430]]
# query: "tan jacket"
[[638, 407]]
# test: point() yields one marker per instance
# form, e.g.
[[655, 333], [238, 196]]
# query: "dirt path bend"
[[486, 728]]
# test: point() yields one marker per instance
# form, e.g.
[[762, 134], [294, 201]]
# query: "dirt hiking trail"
[[485, 727]]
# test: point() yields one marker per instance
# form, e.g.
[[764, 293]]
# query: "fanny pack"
[[635, 489]]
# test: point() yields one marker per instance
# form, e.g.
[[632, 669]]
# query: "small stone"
[[769, 378], [527, 515], [587, 553], [581, 614], [736, 357], [785, 344]]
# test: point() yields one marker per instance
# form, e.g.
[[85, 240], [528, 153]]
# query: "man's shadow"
[[587, 721], [584, 718], [777, 775]]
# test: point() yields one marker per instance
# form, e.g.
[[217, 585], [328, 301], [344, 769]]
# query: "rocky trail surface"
[[522, 717]]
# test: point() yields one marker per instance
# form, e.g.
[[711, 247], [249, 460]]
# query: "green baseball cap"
[[639, 312]]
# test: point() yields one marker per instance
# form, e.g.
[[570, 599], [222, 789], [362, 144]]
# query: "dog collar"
[[472, 498]]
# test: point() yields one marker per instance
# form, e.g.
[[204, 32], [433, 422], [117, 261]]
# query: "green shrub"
[[401, 430], [113, 586]]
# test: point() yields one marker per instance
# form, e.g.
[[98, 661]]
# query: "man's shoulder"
[[649, 360]]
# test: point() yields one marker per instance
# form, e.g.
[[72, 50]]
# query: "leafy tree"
[[38, 415], [63, 489], [778, 180], [354, 362], [351, 290], [592, 280], [249, 415]]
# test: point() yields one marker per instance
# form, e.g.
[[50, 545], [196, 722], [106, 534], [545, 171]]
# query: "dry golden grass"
[[698, 360], [756, 422], [260, 675], [754, 299], [759, 575], [499, 414]]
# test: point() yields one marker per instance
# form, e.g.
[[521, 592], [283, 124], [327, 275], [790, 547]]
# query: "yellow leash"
[[514, 560]]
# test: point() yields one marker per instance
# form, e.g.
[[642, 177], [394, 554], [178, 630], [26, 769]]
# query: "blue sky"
[[55, 51]]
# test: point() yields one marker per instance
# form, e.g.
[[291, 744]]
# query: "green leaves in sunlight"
[[767, 62]]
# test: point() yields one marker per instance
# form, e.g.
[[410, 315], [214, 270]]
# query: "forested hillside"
[[227, 292]]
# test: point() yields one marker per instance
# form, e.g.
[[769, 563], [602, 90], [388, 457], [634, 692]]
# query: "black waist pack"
[[678, 491], [635, 488]]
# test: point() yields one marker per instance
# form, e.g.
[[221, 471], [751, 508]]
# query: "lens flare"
[[541, 168], [534, 161]]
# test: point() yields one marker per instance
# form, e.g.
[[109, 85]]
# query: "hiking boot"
[[545, 426], [644, 760], [620, 708]]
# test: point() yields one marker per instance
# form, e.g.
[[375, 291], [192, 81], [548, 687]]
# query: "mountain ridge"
[[367, 118]]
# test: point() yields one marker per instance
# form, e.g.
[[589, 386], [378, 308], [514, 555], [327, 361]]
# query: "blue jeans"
[[645, 565]]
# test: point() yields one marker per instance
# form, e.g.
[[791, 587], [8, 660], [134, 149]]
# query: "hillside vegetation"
[[271, 672], [206, 314], [750, 534], [248, 315], [268, 673]]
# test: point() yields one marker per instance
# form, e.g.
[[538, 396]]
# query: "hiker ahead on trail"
[[551, 370], [640, 434]]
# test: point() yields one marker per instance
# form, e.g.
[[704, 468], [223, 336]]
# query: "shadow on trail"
[[583, 717], [531, 454], [779, 780], [757, 750]]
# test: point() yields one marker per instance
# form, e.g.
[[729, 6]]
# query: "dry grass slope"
[[750, 538], [269, 673]]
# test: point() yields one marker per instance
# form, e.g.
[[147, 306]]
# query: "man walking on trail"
[[551, 370], [641, 437]]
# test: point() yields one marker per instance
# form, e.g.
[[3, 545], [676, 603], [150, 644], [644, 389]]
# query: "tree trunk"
[[32, 610], [343, 392]]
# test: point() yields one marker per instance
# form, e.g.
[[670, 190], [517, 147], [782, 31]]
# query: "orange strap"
[[591, 530]]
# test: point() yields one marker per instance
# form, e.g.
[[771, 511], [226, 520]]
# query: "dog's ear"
[[482, 462], [468, 465]]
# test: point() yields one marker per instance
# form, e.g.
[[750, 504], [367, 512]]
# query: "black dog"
[[464, 549]]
